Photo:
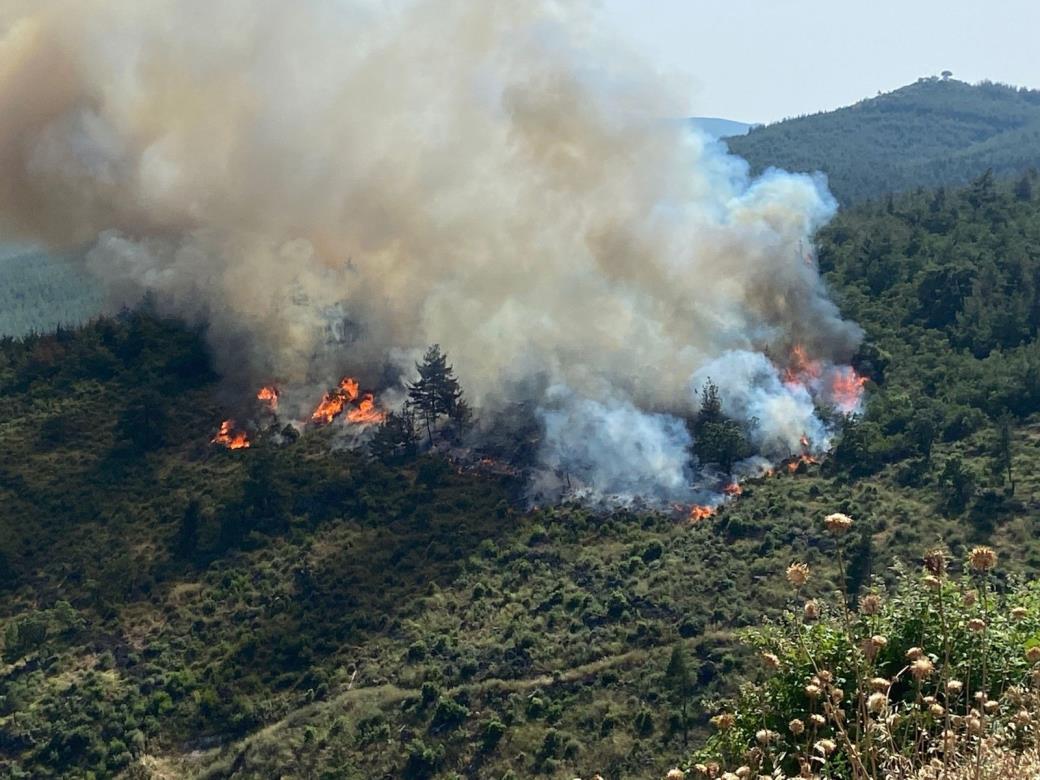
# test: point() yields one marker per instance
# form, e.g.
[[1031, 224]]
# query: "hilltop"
[[928, 134]]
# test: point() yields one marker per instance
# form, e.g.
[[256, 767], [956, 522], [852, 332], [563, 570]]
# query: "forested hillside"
[[928, 134], [39, 292], [174, 609]]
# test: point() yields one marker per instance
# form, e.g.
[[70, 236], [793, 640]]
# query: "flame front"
[[700, 512], [268, 395], [733, 489], [366, 412], [229, 437], [329, 409], [801, 369], [348, 392], [847, 389]]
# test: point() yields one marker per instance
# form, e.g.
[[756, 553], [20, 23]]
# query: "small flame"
[[230, 437], [794, 463], [268, 395], [366, 412], [804, 440], [733, 489], [847, 389], [700, 512]]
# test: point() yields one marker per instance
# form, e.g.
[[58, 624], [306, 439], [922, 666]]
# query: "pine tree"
[[679, 684], [1003, 452], [188, 533], [436, 393], [395, 438]]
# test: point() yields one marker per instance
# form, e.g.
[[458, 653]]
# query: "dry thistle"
[[931, 582], [935, 561], [812, 691], [771, 661], [796, 726], [724, 721], [817, 720], [922, 668], [1033, 654], [977, 625], [838, 523], [825, 746], [970, 598], [798, 574], [1019, 614], [878, 684], [914, 653], [877, 702], [870, 604], [982, 559], [675, 774], [811, 611], [954, 687]]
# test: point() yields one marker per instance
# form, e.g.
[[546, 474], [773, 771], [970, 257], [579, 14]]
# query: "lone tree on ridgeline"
[[437, 393]]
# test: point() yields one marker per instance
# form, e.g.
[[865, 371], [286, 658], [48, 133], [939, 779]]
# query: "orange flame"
[[366, 412], [800, 367], [329, 408], [794, 463], [347, 392], [350, 387], [268, 394], [804, 440], [733, 489], [229, 437], [700, 512], [847, 388]]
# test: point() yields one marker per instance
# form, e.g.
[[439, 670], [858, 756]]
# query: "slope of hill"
[[39, 292], [175, 609], [927, 134], [720, 128]]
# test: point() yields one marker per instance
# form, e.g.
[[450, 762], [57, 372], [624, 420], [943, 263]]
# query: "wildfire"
[[700, 512], [335, 402], [366, 412], [801, 368], [794, 463], [847, 389], [230, 437], [268, 395], [733, 489]]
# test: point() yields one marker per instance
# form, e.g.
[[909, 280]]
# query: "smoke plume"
[[335, 184]]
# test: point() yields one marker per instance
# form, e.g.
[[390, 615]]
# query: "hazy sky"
[[762, 60]]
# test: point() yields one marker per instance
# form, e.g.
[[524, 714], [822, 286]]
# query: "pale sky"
[[763, 60]]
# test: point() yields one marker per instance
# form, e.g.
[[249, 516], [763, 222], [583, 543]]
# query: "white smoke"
[[335, 184]]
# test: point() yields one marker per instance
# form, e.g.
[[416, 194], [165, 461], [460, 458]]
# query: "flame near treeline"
[[333, 186]]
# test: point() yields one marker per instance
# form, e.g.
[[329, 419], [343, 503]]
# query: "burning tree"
[[437, 393]]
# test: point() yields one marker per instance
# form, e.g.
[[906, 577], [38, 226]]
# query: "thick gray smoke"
[[334, 184]]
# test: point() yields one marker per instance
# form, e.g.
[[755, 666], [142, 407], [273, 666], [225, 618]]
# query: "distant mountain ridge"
[[720, 128], [928, 134]]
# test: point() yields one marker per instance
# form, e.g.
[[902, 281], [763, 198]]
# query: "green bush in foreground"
[[932, 678]]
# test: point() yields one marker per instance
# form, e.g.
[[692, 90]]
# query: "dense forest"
[[175, 609], [40, 291], [932, 133]]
